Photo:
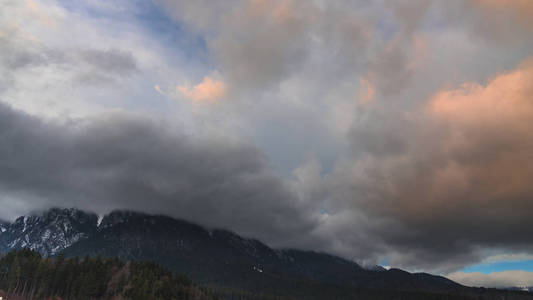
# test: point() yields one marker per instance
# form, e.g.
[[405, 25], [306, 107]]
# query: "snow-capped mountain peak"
[[49, 232]]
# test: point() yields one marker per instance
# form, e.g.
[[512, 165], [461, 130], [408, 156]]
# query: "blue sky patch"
[[501, 266]]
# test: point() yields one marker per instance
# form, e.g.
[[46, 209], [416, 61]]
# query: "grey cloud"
[[103, 67], [499, 22], [260, 47], [410, 13], [249, 48], [111, 61], [259, 44], [19, 54], [200, 15], [16, 54], [390, 71], [126, 161]]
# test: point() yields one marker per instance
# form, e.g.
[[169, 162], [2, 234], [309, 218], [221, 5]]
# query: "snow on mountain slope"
[[3, 226], [49, 232]]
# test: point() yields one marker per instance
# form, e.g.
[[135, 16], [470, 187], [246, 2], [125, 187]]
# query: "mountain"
[[50, 232], [211, 257], [207, 256], [223, 257]]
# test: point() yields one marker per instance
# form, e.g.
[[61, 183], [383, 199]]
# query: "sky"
[[387, 132]]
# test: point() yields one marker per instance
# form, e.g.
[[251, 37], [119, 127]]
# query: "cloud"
[[497, 21], [367, 91], [508, 257], [84, 64], [207, 90], [200, 15], [520, 11], [443, 180], [122, 160], [256, 45], [110, 61], [504, 279], [429, 174]]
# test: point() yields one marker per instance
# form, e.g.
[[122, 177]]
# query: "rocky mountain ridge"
[[49, 232]]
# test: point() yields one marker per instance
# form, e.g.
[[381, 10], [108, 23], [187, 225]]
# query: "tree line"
[[25, 274]]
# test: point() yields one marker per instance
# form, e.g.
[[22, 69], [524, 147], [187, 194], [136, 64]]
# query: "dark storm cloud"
[[125, 161]]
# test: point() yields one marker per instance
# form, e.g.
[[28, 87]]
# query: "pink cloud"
[[207, 90]]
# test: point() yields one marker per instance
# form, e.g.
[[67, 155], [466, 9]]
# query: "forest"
[[25, 274]]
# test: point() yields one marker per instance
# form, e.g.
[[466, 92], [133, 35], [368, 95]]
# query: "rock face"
[[208, 256], [48, 233]]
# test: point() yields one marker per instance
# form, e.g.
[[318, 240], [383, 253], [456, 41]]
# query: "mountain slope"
[[48, 233], [227, 259]]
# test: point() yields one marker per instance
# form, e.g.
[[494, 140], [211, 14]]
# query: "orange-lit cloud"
[[158, 89], [367, 91], [522, 9], [459, 164], [504, 101], [207, 90], [488, 132], [484, 135]]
